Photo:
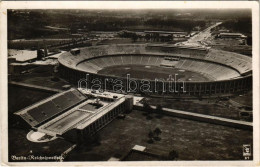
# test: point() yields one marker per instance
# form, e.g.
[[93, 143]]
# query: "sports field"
[[152, 72]]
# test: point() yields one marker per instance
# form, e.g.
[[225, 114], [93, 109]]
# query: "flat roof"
[[97, 93], [22, 55], [229, 33], [232, 34], [102, 111], [177, 46], [75, 49], [166, 32]]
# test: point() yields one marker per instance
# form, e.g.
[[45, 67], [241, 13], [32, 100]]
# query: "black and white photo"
[[130, 84]]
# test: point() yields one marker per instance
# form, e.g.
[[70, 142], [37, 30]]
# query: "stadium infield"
[[152, 72]]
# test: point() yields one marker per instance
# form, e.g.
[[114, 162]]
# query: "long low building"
[[75, 114], [232, 35]]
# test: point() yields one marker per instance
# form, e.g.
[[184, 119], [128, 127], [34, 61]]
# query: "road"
[[198, 39]]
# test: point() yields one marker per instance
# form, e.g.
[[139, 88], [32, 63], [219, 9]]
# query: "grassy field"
[[213, 106], [190, 139], [40, 76], [151, 72]]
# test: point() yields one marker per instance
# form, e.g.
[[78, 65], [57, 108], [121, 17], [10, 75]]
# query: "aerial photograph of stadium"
[[129, 85]]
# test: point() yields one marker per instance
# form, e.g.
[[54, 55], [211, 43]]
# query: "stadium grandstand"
[[46, 109], [225, 72]]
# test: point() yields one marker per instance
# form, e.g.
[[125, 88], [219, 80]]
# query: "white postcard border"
[[129, 5]]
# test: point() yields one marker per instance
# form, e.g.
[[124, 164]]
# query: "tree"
[[158, 108], [134, 37], [150, 141], [249, 40], [146, 106], [147, 37], [157, 132], [151, 134], [159, 111], [149, 117], [169, 38], [173, 155]]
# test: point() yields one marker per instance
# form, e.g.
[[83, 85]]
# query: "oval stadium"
[[185, 70]]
